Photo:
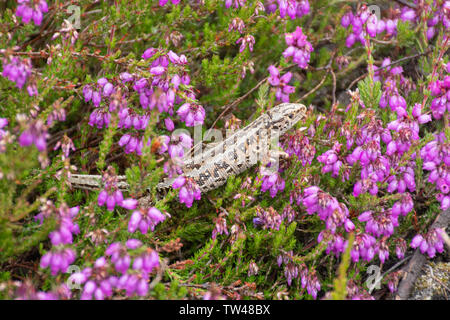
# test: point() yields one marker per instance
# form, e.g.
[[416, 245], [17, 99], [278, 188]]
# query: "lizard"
[[238, 152]]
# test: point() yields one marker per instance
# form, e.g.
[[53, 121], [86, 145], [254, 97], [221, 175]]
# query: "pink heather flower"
[[191, 114], [189, 190], [272, 182], [35, 134], [430, 243], [268, 219], [178, 143], [371, 25], [29, 9], [236, 24], [244, 41], [98, 283], [283, 89], [299, 49], [145, 219], [169, 124], [363, 248], [18, 70], [408, 14], [58, 260], [236, 3], [220, 226]]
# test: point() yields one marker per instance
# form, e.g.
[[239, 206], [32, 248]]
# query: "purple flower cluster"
[[380, 223], [293, 8], [178, 143], [308, 278], [289, 214], [244, 41], [268, 219], [19, 71], [331, 161], [273, 182], [281, 83], [364, 247], [299, 48], [436, 159], [189, 190], [376, 167], [161, 92], [220, 226], [26, 291], [100, 280], [357, 293], [328, 209], [400, 248], [31, 9], [299, 144], [236, 24], [440, 90], [162, 3], [235, 3], [58, 260], [191, 114], [145, 219], [111, 195], [436, 12], [335, 242], [365, 22], [36, 134], [393, 79], [60, 257], [429, 243]]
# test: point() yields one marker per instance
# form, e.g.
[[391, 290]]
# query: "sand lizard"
[[238, 152]]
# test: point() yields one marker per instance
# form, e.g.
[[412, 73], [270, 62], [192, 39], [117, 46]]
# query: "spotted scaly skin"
[[243, 149]]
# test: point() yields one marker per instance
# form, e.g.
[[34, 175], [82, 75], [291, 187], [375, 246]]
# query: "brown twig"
[[315, 88]]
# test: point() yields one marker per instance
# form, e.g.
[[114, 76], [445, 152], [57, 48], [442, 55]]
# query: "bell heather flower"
[[429, 243], [400, 249], [220, 226], [188, 190], [191, 114], [58, 260], [363, 247], [328, 209], [283, 89], [30, 9], [111, 195], [236, 24], [235, 3], [268, 219], [436, 159], [272, 182], [145, 219], [248, 39], [299, 144], [293, 8], [36, 134], [98, 283], [299, 49]]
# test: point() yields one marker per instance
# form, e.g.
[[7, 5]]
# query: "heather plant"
[[120, 88]]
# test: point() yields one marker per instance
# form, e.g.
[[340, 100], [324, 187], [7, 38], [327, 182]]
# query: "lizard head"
[[284, 116]]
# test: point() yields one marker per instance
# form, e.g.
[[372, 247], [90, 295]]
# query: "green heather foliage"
[[309, 231]]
